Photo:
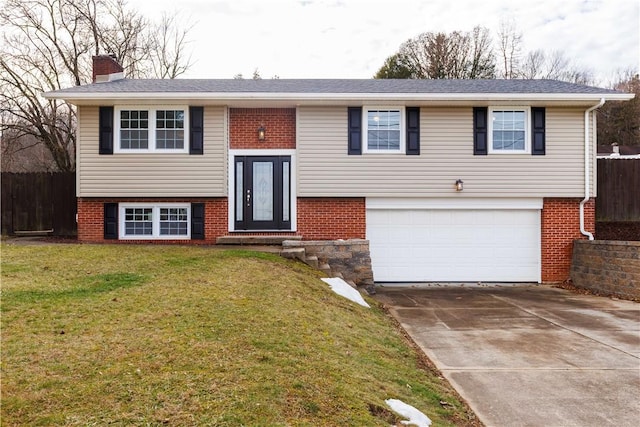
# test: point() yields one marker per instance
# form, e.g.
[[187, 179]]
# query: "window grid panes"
[[138, 221], [173, 221], [383, 130], [134, 129], [170, 129], [509, 130]]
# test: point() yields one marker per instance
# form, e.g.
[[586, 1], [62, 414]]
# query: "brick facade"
[[560, 227], [91, 219], [332, 218], [279, 124], [318, 219], [345, 218]]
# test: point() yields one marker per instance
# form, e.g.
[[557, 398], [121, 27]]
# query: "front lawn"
[[183, 336]]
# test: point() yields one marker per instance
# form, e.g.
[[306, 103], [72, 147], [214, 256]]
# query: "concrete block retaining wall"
[[348, 257], [607, 267]]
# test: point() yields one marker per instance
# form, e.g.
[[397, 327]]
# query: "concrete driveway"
[[529, 355]]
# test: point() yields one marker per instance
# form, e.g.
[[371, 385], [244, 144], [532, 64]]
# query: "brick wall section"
[[606, 267], [280, 125], [332, 218], [91, 220], [318, 219], [560, 227]]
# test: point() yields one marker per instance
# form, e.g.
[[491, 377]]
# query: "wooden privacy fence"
[[618, 190], [39, 202]]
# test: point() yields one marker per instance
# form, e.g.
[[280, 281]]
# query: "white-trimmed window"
[[509, 130], [158, 129], [383, 130], [155, 221]]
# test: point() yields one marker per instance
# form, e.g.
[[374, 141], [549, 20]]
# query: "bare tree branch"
[[48, 44], [457, 55], [510, 48]]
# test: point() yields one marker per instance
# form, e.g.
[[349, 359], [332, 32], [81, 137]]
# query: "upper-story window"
[[384, 130], [134, 129], [141, 130], [170, 129], [508, 130]]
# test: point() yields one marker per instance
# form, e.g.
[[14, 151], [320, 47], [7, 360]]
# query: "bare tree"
[[48, 45], [456, 55], [470, 55], [483, 63], [619, 122], [24, 154], [509, 48], [555, 65], [169, 41]]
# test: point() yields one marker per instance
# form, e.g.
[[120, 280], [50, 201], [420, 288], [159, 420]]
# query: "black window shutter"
[[196, 128], [106, 130], [110, 221], [538, 131], [355, 130], [413, 130], [197, 221], [480, 131]]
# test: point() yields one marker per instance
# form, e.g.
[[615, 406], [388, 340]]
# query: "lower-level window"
[[149, 221]]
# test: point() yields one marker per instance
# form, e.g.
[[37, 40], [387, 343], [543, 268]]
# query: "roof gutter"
[[587, 159], [300, 97]]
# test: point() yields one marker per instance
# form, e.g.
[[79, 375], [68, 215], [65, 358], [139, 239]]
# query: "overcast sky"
[[352, 38]]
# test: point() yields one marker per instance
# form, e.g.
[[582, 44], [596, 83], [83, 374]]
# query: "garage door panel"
[[454, 244]]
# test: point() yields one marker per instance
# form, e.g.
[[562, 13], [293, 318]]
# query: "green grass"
[[183, 336]]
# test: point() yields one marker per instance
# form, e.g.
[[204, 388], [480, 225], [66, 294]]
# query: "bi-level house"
[[449, 180]]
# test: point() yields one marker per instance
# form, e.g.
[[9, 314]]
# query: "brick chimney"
[[106, 68]]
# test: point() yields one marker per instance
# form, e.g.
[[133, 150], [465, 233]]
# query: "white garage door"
[[454, 242]]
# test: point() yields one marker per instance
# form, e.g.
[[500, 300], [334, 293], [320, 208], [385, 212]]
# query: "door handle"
[[248, 197]]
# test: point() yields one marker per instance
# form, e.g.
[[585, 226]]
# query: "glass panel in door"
[[263, 191]]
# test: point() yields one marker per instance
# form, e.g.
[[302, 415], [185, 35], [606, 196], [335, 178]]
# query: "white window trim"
[[152, 129], [527, 130], [365, 129], [155, 219]]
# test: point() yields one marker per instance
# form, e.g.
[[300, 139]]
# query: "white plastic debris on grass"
[[414, 416], [342, 288]]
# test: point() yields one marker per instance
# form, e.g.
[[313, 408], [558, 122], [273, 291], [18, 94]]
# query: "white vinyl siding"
[[446, 154], [152, 174]]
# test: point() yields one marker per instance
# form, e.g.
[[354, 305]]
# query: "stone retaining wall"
[[350, 258], [607, 267]]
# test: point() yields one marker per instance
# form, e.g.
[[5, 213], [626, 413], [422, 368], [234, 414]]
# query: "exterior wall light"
[[459, 185], [262, 133]]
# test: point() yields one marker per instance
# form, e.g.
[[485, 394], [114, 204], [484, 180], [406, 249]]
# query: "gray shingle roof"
[[332, 86]]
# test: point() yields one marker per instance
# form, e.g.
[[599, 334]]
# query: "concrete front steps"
[[274, 244], [347, 259], [243, 240], [300, 253]]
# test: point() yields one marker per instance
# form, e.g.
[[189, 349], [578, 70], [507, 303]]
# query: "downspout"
[[587, 160]]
